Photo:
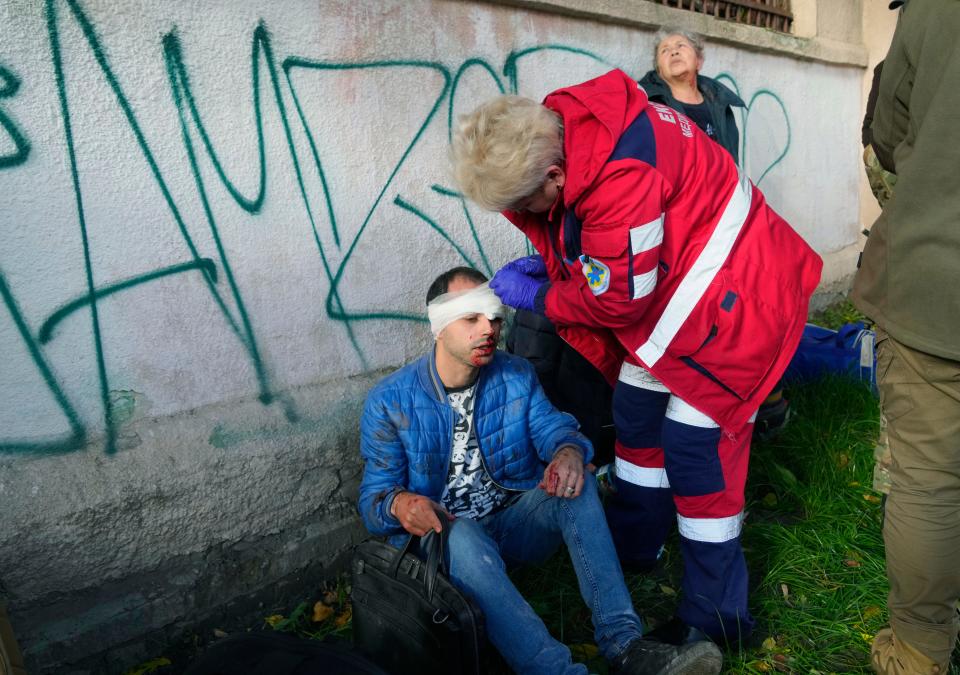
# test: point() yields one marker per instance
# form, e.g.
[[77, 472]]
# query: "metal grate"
[[773, 14]]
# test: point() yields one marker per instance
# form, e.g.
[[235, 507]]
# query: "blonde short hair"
[[502, 150]]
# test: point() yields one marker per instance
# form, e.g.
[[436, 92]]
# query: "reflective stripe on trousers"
[[674, 462]]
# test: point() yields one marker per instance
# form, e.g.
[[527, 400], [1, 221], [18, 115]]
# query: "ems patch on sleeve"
[[596, 273]]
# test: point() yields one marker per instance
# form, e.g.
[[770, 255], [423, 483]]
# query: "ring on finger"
[[570, 488]]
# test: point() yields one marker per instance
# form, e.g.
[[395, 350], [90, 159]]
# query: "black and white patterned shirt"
[[470, 492]]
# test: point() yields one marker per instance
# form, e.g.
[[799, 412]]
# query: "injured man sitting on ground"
[[466, 433]]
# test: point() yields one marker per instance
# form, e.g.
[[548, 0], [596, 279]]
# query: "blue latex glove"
[[532, 266], [516, 289]]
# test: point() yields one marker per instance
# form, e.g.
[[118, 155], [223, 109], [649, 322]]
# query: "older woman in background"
[[676, 81]]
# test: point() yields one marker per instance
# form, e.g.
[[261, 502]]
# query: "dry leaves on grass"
[[344, 617], [853, 559], [321, 611]]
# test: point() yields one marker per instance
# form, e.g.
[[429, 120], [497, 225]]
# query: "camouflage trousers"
[[881, 184], [881, 181]]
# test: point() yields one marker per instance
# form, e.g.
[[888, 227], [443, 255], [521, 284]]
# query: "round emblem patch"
[[596, 273]]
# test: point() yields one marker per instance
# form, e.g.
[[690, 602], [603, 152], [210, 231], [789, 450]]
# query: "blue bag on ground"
[[848, 351]]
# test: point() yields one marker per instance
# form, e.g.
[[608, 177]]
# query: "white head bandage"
[[447, 308]]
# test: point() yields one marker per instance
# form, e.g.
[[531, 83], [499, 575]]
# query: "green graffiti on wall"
[[216, 272], [9, 85]]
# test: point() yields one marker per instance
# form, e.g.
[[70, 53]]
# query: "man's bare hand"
[[563, 477], [417, 514]]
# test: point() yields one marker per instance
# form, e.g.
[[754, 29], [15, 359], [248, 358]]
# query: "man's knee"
[[587, 503], [471, 550]]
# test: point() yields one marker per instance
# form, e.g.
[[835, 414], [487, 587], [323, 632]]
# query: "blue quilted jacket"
[[406, 434]]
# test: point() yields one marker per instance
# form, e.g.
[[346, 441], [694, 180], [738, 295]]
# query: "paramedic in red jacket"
[[670, 273]]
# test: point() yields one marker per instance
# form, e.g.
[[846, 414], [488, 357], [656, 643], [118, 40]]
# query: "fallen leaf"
[[219, 633], [769, 644], [321, 612], [330, 598], [870, 612], [666, 590], [854, 483], [873, 499], [782, 658], [764, 666], [785, 590], [843, 460], [344, 618], [274, 619], [770, 500], [866, 637], [850, 562]]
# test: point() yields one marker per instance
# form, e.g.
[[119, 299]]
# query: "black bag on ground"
[[408, 617], [280, 654]]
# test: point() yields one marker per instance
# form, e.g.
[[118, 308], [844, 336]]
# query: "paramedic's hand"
[[418, 514], [563, 477], [532, 266], [516, 289]]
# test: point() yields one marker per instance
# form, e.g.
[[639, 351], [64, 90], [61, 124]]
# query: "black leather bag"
[[408, 617]]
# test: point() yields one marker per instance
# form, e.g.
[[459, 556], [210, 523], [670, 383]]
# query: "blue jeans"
[[529, 531]]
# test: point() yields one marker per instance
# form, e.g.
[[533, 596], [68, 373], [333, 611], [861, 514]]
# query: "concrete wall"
[[218, 224]]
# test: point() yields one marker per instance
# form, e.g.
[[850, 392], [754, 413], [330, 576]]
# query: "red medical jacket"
[[660, 255]]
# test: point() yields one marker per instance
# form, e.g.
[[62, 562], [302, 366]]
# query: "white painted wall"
[[168, 339], [311, 287]]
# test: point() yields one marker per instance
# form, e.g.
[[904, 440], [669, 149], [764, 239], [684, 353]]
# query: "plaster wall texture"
[[256, 196], [841, 20]]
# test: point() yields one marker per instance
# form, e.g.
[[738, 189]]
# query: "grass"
[[838, 314]]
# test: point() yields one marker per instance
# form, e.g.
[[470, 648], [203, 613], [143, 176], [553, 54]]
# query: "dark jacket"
[[406, 434], [571, 382], [720, 100], [909, 278]]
